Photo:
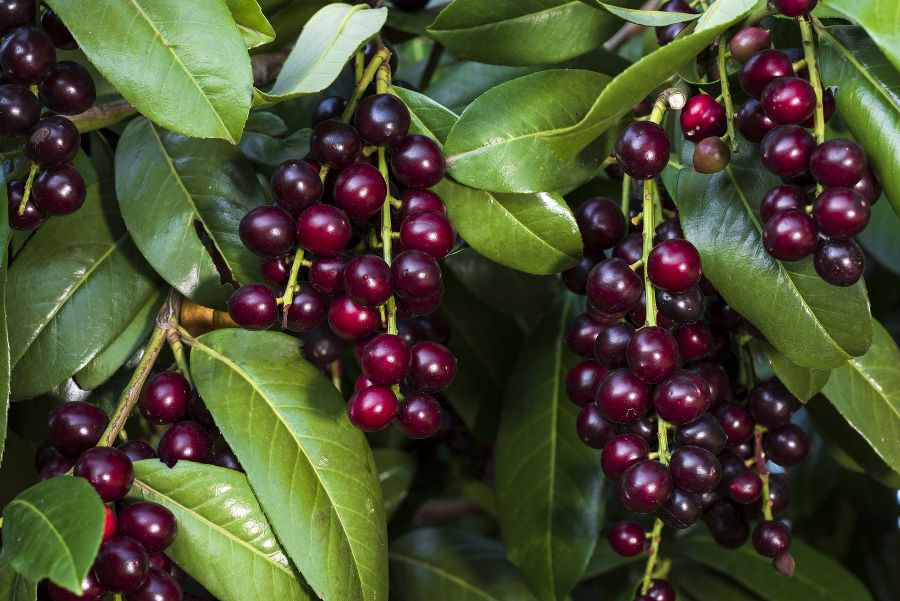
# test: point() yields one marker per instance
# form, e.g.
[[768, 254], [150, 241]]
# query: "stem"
[[726, 95], [758, 15], [626, 194], [174, 339], [359, 64], [336, 374], [368, 75], [760, 457], [809, 51], [288, 297], [383, 83], [103, 115], [434, 59], [31, 171], [648, 212], [655, 537]]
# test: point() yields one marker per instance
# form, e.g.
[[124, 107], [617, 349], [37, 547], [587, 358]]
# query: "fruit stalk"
[[809, 52], [726, 95], [759, 457], [626, 194], [174, 339], [648, 219], [27, 195], [655, 538], [382, 83]]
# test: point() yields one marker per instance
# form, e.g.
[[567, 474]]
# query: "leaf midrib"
[[496, 201], [52, 529], [525, 17], [845, 52], [443, 573]]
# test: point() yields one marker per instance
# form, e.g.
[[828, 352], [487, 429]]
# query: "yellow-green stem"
[[760, 459], [626, 194], [726, 95], [382, 85], [809, 52], [27, 194], [180, 356], [367, 76], [648, 212], [655, 537]]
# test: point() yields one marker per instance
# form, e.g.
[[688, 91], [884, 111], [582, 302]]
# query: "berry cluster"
[[332, 213], [28, 58]]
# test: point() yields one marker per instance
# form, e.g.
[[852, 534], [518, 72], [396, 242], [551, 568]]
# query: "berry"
[[410, 5], [57, 466], [295, 185], [226, 458], [158, 586], [45, 453], [748, 41], [841, 212], [790, 235], [52, 141], [610, 344], [334, 143], [109, 523], [681, 307], [371, 48], [423, 306], [417, 162], [594, 430], [420, 199], [164, 398], [185, 440], [702, 117], [838, 163], [626, 539], [674, 265], [660, 590], [322, 346], [432, 367], [771, 404], [583, 380], [75, 427], [416, 275], [382, 120], [137, 450], [253, 307], [91, 590], [667, 33], [323, 229], [326, 274], [669, 229], [600, 222], [360, 190], [786, 150], [694, 340], [351, 320], [786, 445], [630, 249], [680, 510], [275, 270], [372, 408], [682, 398], [57, 30], [794, 8], [829, 106], [868, 186], [385, 360], [762, 68], [121, 564], [307, 309], [15, 13], [622, 397], [59, 190], [695, 469], [752, 121], [704, 432], [839, 262], [771, 538], [782, 198], [428, 231], [745, 487], [329, 107], [645, 486], [788, 100], [652, 354], [419, 416], [613, 287], [620, 453], [267, 231], [368, 280], [727, 524], [29, 220], [68, 89], [19, 110], [736, 421], [150, 524], [642, 150], [711, 155], [27, 55], [198, 412]]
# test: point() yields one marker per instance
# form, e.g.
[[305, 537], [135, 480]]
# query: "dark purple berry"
[[620, 453], [642, 150], [52, 141], [27, 55], [594, 430], [59, 190], [645, 486], [307, 309], [185, 440], [652, 354], [157, 586], [323, 229], [150, 524], [600, 222], [29, 220], [610, 344], [680, 510], [360, 191], [68, 89], [748, 41], [164, 398], [682, 398], [75, 427], [137, 450], [752, 122], [786, 445], [623, 397], [57, 30], [419, 415], [19, 110], [786, 150], [382, 120], [430, 232], [782, 198], [839, 262], [705, 432], [613, 287], [674, 265], [790, 235], [334, 143], [762, 68], [329, 107], [627, 539], [788, 100], [417, 162], [295, 185], [253, 307], [583, 380]]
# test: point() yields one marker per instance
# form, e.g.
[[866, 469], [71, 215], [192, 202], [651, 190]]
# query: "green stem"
[[336, 374], [367, 76], [288, 297], [626, 194], [359, 64], [28, 182], [648, 213], [177, 347], [655, 538], [760, 458], [758, 15], [726, 95], [809, 52], [382, 83]]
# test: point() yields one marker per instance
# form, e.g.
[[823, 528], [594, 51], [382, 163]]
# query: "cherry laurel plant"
[[411, 299]]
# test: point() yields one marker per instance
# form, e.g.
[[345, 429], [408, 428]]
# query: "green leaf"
[[270, 151], [453, 565], [315, 478], [649, 18], [880, 19], [867, 393], [288, 18], [605, 560], [526, 32], [817, 576], [496, 144], [704, 585], [395, 471], [867, 97], [506, 290], [803, 382], [169, 188], [253, 25], [881, 238], [73, 289], [811, 322], [636, 82], [467, 80], [224, 540], [13, 587], [330, 38], [182, 64], [428, 116], [5, 365], [44, 538], [545, 476]]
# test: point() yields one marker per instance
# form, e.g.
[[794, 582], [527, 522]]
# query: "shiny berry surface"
[[226, 458], [695, 469], [323, 229], [91, 590], [762, 68], [432, 367], [351, 320], [419, 307], [386, 359], [771, 404], [840, 162], [329, 107], [711, 155], [416, 274], [681, 398], [794, 8], [702, 117], [68, 89], [694, 340], [295, 185], [59, 190], [790, 235], [752, 121], [368, 280], [326, 274], [600, 222], [360, 190], [27, 55], [642, 150], [150, 524], [681, 307], [782, 198], [164, 398], [841, 212], [839, 262], [185, 440], [771, 538], [788, 100], [420, 199], [57, 30], [626, 538], [745, 487], [748, 41], [121, 564], [108, 470], [417, 162], [334, 143], [583, 380], [19, 110], [613, 287], [253, 307], [623, 397], [57, 466], [307, 310], [786, 445], [419, 415], [430, 232], [610, 344], [158, 586], [620, 453], [593, 429], [736, 421], [275, 270], [645, 486], [75, 427], [680, 510], [869, 186], [372, 408], [15, 13], [322, 346], [382, 120], [267, 231], [786, 150], [652, 354], [674, 265], [52, 141], [137, 450], [704, 432]]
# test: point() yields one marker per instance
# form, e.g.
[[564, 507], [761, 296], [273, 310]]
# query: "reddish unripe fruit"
[[737, 422], [75, 427], [307, 309], [351, 320], [782, 198], [432, 367], [622, 397], [711, 155], [372, 408], [771, 539], [652, 354], [68, 89], [27, 55], [620, 453], [420, 199], [52, 141], [748, 41], [382, 120], [583, 380], [593, 429], [695, 469], [626, 539], [428, 231], [702, 117], [705, 432], [682, 398], [185, 440], [838, 163], [674, 265], [600, 222], [360, 190], [295, 185], [613, 287], [334, 143], [788, 100], [642, 150], [645, 486], [762, 68], [109, 523], [790, 235], [121, 564], [752, 122], [137, 450], [19, 110], [29, 220], [267, 231], [694, 340], [786, 445], [323, 229], [771, 404], [326, 274], [368, 280], [745, 487], [839, 262], [868, 186], [417, 162], [275, 270], [419, 416], [794, 8], [150, 524], [385, 360], [91, 590], [59, 190], [164, 398], [253, 307], [786, 150], [610, 344]]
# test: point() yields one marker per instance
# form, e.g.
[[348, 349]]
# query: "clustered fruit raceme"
[[331, 207], [28, 58]]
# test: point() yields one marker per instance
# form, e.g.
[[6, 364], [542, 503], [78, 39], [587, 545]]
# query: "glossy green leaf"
[[506, 290], [5, 365], [803, 382], [524, 32], [704, 585], [14, 587], [182, 64], [868, 98], [881, 238], [288, 17], [867, 393], [252, 23], [224, 540], [816, 578], [73, 289], [395, 471], [171, 190], [427, 115], [545, 476], [636, 82], [605, 560], [271, 151], [649, 18], [315, 478], [880, 19], [811, 322], [330, 38], [496, 144], [44, 538], [453, 565]]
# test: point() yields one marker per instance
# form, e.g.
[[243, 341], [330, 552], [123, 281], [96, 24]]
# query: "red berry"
[[702, 117], [642, 150], [351, 320], [838, 163], [782, 198], [295, 186], [622, 397], [323, 229], [185, 440], [267, 231], [788, 100], [752, 122], [75, 427], [382, 120], [786, 150], [790, 235], [681, 398], [794, 8], [841, 212], [420, 199], [428, 231], [645, 486], [762, 68], [372, 408], [307, 309], [583, 380], [419, 415], [594, 430], [771, 539], [417, 162], [253, 307], [360, 190], [613, 287], [748, 41], [164, 398], [627, 538], [432, 367], [674, 265], [620, 453], [334, 143], [652, 354], [91, 590], [385, 360], [326, 274]]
